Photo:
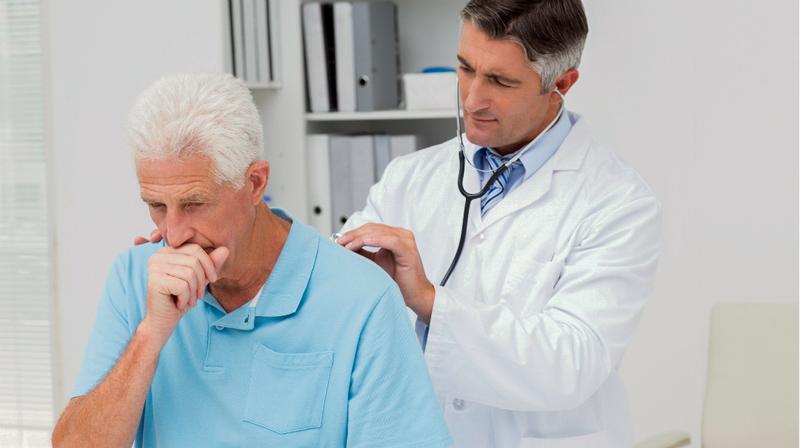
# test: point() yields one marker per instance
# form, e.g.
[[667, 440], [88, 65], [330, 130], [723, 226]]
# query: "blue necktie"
[[495, 193]]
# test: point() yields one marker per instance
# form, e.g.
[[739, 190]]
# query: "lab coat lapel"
[[569, 156]]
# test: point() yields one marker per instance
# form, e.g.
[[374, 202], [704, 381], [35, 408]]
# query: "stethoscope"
[[469, 197]]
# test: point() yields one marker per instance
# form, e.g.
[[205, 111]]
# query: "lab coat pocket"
[[287, 390], [530, 287]]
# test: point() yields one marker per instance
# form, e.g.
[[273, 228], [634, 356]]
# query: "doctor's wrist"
[[422, 302]]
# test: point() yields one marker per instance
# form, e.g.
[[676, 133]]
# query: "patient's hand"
[[155, 236], [177, 278]]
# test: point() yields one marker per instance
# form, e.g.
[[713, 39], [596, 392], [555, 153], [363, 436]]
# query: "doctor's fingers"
[[372, 230], [401, 244], [368, 228], [197, 252], [155, 236]]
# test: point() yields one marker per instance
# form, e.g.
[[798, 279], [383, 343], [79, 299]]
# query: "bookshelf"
[[381, 115], [427, 36]]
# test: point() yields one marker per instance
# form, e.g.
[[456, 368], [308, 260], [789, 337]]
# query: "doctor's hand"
[[176, 280], [399, 257], [155, 236]]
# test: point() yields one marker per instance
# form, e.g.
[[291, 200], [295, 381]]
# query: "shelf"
[[381, 115], [261, 86]]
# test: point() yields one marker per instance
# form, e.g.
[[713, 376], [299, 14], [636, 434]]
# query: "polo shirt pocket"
[[287, 390]]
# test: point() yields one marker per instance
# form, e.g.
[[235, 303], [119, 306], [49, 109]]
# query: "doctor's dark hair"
[[551, 32]]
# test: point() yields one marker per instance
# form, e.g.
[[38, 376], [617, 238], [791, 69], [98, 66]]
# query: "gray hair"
[[200, 114], [552, 33]]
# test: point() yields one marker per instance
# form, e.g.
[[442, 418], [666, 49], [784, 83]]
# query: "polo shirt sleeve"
[[111, 332], [391, 400]]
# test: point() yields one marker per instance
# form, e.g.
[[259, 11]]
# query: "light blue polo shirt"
[[326, 358]]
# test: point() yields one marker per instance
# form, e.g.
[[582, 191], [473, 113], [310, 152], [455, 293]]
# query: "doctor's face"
[[503, 104], [188, 205]]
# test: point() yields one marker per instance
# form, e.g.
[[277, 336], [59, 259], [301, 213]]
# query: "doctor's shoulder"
[[418, 165], [607, 175]]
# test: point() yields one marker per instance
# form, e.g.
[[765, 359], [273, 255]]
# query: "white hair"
[[200, 114]]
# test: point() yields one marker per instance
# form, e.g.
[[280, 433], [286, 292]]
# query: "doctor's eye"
[[498, 82]]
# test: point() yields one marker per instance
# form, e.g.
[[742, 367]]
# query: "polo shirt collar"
[[287, 282], [286, 285]]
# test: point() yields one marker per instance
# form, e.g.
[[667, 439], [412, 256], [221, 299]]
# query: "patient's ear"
[[256, 180]]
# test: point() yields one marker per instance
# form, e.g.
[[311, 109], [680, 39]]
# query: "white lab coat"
[[527, 336]]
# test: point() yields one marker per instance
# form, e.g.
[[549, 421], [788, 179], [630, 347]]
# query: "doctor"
[[525, 338]]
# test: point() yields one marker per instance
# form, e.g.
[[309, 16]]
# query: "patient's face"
[[188, 205]]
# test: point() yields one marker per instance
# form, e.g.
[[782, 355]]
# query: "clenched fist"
[[177, 279]]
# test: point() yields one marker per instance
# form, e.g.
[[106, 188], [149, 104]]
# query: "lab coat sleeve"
[[557, 356]]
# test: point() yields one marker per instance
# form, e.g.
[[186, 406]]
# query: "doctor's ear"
[[567, 80]]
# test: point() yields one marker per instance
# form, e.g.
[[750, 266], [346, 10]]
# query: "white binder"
[[383, 154], [264, 52], [341, 198], [250, 40], [345, 62], [403, 144], [316, 61], [319, 183], [237, 38], [362, 170]]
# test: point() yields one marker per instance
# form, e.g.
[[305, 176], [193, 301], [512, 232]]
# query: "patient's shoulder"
[[352, 275]]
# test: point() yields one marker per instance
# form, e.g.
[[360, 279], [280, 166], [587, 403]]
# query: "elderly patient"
[[242, 327]]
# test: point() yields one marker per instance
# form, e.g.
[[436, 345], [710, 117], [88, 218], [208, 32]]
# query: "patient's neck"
[[254, 262]]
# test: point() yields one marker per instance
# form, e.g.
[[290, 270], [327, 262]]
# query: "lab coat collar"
[[569, 156], [561, 160]]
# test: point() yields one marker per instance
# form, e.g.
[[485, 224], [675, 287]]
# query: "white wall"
[[701, 97], [103, 54]]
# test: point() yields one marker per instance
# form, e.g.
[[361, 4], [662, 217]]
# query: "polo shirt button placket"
[[219, 327]]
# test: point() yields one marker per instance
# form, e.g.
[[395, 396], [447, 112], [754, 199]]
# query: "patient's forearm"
[[109, 415]]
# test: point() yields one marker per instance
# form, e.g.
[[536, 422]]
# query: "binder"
[[330, 52], [375, 51], [403, 144], [383, 154], [250, 40], [263, 50], [316, 61], [341, 197], [362, 170], [319, 183], [237, 38], [345, 62]]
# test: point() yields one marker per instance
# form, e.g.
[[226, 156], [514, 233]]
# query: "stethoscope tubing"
[[469, 197]]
